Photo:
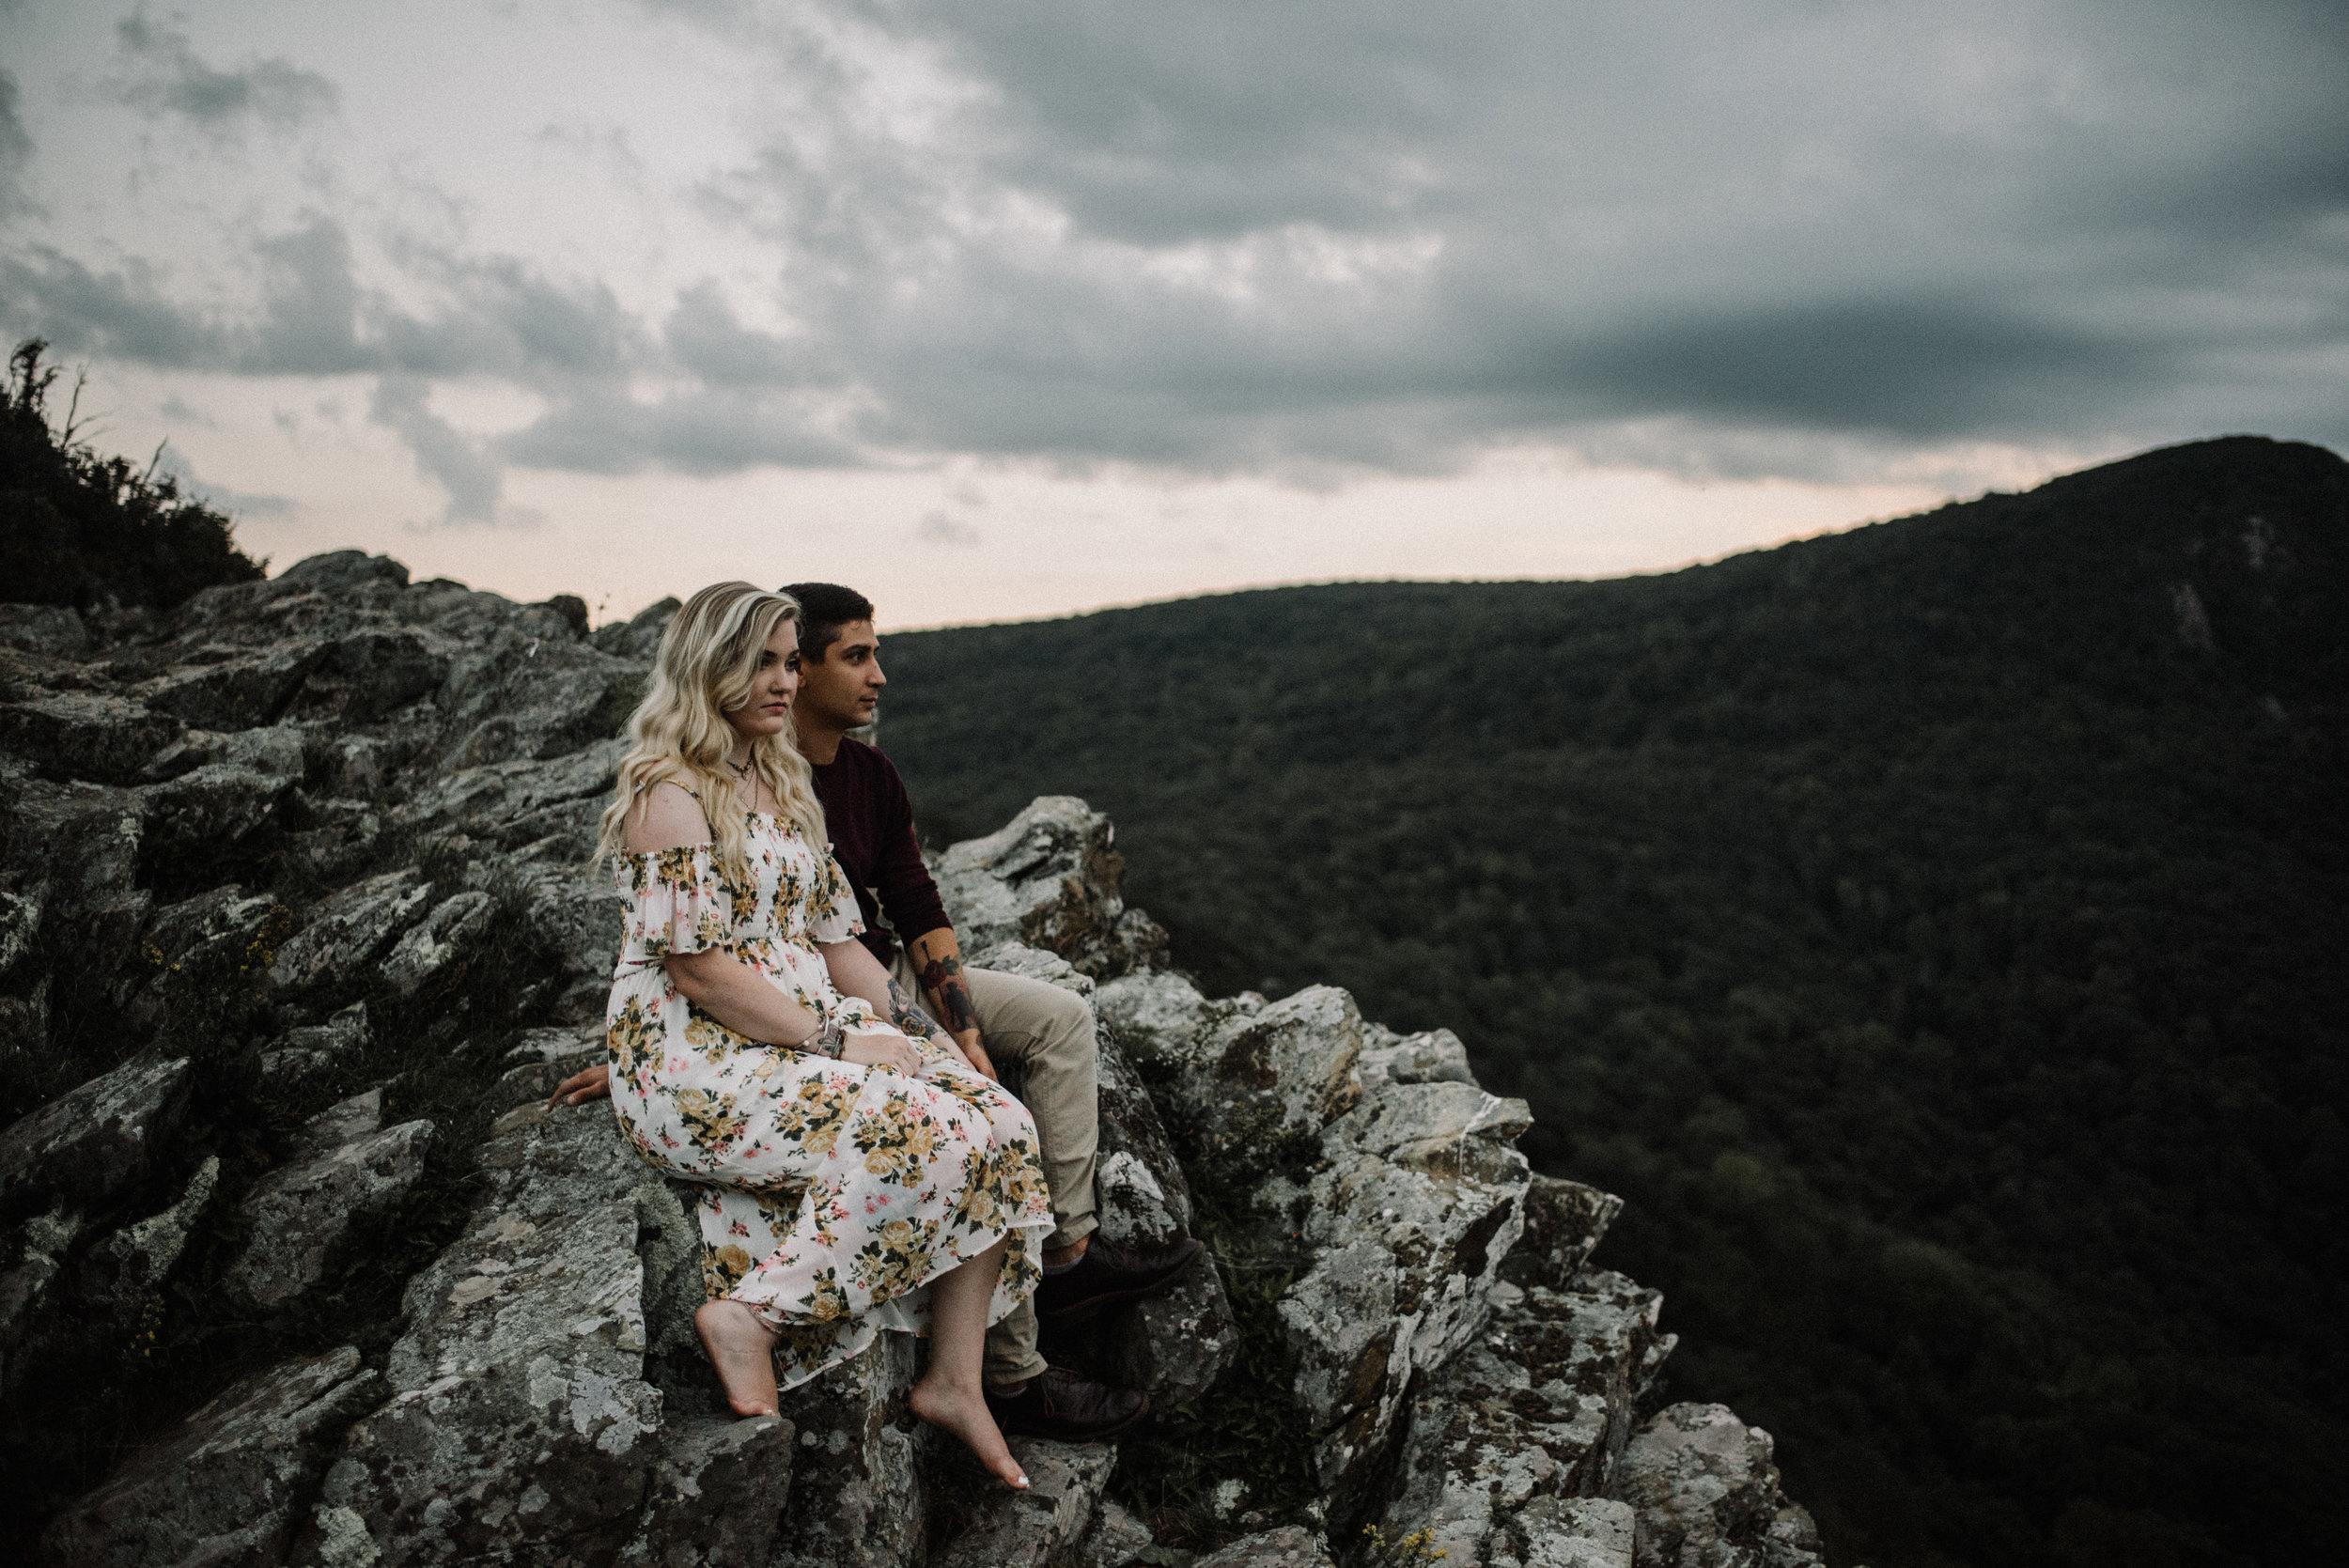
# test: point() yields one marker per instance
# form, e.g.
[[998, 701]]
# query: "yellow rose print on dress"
[[830, 1194]]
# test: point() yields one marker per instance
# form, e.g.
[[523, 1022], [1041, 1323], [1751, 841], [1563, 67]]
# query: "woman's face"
[[771, 690]]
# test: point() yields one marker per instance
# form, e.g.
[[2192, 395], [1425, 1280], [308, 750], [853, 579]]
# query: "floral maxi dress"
[[830, 1194]]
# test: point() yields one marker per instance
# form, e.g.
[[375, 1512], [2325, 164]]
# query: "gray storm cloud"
[[166, 77], [1333, 236]]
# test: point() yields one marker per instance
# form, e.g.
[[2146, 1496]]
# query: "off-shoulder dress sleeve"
[[832, 912], [678, 903]]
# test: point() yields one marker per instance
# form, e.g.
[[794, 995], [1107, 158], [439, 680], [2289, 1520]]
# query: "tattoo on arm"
[[906, 1016], [942, 978]]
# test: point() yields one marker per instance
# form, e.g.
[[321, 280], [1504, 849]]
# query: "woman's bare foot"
[[743, 1352], [963, 1412]]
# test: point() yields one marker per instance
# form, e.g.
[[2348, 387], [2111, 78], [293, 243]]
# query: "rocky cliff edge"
[[297, 929]]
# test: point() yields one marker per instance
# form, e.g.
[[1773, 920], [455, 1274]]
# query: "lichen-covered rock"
[[520, 1415], [222, 1486], [98, 1140], [88, 735], [721, 1490], [863, 1452], [1574, 1532], [1174, 1345], [1291, 1547], [52, 631], [296, 1214], [1043, 1524], [1435, 1056], [123, 1270], [207, 812], [357, 786], [1564, 1224], [26, 1290], [1047, 879], [1705, 1488], [313, 1048], [1408, 1222], [1254, 1073], [1539, 1408], [437, 944], [1118, 1538], [348, 931]]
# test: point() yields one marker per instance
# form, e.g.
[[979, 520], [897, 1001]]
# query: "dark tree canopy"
[[1936, 931], [78, 529]]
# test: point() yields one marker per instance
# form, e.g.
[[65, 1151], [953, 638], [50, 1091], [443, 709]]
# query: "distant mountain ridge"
[[1933, 929]]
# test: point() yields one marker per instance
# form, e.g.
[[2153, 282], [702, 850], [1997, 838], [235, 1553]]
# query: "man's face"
[[841, 690]]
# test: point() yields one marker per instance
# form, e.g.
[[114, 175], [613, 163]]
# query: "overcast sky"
[[1007, 308]]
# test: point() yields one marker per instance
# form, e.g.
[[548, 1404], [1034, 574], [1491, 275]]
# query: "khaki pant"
[[1044, 1037]]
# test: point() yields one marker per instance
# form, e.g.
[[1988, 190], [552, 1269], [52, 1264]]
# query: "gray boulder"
[[637, 638], [1706, 1487], [1174, 1345], [225, 1484], [1043, 1524], [296, 1213], [52, 631], [97, 1141], [1408, 1221], [521, 1425], [721, 1491], [25, 1291], [1538, 1410], [1253, 1072], [439, 944], [1118, 1537], [863, 1452], [347, 930], [87, 734], [1291, 1547], [122, 1271], [342, 1039], [1435, 1056], [1047, 879], [1563, 1223], [236, 689]]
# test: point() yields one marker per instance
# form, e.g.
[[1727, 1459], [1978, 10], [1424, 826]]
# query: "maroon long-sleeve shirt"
[[872, 837]]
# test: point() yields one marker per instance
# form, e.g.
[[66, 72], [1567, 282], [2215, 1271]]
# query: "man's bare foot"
[[963, 1412], [743, 1352]]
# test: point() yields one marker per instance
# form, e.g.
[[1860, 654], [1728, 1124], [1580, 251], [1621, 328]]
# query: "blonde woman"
[[877, 1180]]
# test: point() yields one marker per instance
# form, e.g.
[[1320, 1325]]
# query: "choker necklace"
[[742, 769]]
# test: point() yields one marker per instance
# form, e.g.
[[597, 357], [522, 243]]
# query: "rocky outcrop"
[[311, 848], [1049, 879], [227, 1484], [97, 1141], [297, 1212]]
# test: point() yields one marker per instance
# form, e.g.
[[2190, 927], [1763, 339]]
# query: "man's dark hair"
[[824, 609]]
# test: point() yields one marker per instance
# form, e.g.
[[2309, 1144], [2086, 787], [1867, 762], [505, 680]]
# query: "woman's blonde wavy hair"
[[707, 660]]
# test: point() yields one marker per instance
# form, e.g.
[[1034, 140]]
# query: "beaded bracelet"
[[831, 1040]]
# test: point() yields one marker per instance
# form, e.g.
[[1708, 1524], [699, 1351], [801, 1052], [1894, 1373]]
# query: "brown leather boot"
[[1059, 1404], [1108, 1273]]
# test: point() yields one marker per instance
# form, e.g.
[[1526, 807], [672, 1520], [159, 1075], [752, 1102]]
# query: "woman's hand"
[[893, 1051], [592, 1083]]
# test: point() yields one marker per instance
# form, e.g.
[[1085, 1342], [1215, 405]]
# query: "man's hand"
[[968, 1043], [592, 1083]]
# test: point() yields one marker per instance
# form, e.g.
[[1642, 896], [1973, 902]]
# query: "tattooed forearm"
[[831, 1041], [906, 1016], [941, 976]]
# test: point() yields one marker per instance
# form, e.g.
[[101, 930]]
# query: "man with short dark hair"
[[1045, 1032]]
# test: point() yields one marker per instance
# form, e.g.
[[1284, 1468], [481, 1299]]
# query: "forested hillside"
[[1936, 931]]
